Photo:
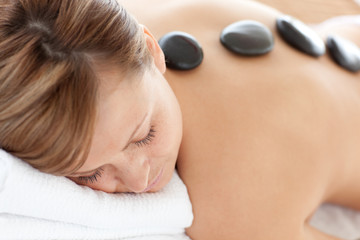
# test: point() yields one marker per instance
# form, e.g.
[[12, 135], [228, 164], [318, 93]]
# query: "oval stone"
[[300, 36], [182, 51], [247, 37], [344, 52]]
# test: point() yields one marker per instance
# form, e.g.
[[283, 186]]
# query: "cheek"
[[106, 183], [169, 131], [167, 142]]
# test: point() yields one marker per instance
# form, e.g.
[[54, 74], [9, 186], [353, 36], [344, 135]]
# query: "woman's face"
[[137, 134]]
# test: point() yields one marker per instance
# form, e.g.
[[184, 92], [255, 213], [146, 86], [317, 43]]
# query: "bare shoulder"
[[142, 6], [346, 26], [186, 15]]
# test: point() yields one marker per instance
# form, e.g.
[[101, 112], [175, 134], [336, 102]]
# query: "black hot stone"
[[182, 51], [344, 52], [247, 37], [300, 36]]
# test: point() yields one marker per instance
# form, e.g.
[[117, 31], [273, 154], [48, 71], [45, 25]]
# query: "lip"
[[156, 181]]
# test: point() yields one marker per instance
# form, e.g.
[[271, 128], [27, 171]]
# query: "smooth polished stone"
[[182, 51], [247, 37], [344, 52], [300, 36]]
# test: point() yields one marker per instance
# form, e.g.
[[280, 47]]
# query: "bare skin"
[[266, 140], [313, 11]]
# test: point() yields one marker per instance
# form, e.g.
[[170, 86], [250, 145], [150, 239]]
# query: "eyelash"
[[93, 178], [147, 140]]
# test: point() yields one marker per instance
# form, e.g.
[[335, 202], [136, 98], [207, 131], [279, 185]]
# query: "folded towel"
[[338, 221], [36, 205]]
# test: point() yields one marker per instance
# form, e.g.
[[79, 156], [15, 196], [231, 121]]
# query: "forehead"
[[119, 93], [110, 77]]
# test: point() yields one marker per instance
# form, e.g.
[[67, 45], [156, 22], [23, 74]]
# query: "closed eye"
[[91, 179], [147, 140]]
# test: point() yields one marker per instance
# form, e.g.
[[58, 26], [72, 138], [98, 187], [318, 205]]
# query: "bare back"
[[266, 139]]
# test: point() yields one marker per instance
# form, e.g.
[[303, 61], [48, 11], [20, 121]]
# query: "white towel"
[[35, 205], [338, 221]]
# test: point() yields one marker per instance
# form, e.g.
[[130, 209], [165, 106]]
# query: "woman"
[[259, 142]]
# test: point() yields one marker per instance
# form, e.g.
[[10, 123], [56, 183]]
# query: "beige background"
[[312, 11]]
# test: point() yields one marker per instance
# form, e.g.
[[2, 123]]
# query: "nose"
[[135, 174]]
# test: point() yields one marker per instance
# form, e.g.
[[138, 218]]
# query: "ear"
[[155, 50]]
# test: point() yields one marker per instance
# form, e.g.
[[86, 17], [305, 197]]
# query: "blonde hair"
[[48, 88]]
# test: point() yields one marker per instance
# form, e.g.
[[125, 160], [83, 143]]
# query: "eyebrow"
[[127, 145]]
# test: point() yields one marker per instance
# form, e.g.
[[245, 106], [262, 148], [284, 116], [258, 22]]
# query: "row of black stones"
[[183, 52]]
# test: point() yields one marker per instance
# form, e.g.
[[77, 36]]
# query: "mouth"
[[154, 182]]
